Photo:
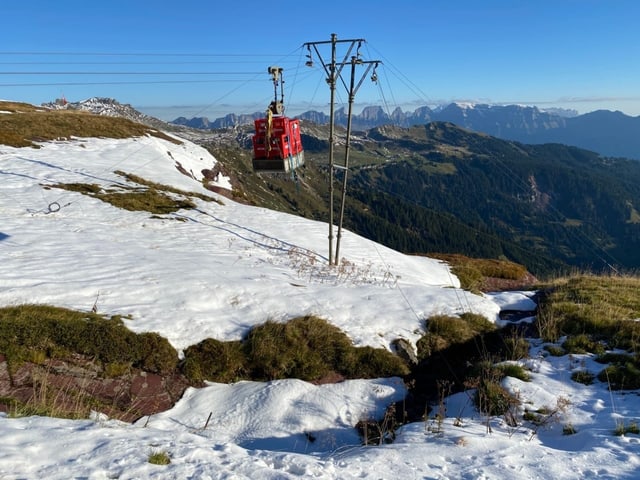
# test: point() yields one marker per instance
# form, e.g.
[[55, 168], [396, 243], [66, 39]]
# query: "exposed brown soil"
[[492, 284]]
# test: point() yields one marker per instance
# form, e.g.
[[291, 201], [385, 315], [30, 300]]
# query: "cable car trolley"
[[277, 147]]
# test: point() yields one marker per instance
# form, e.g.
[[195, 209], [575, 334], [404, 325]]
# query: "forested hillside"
[[440, 188], [542, 201]]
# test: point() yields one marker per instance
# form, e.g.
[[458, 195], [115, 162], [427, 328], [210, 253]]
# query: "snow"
[[221, 270], [515, 300], [217, 271]]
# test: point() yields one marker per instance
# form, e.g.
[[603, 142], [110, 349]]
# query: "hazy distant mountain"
[[230, 120], [608, 133], [513, 122], [562, 112]]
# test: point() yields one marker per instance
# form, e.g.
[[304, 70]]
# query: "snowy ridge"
[[107, 107]]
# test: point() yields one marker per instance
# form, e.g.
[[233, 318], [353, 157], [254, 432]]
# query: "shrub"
[[155, 353], [107, 340], [533, 417], [379, 432], [444, 331], [633, 428], [555, 350], [372, 362], [215, 361], [492, 399], [514, 370], [582, 343], [622, 429], [310, 348], [627, 336], [516, 348], [583, 376], [611, 357], [621, 377], [306, 348], [478, 323]]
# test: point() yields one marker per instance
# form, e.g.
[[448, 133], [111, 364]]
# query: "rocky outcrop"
[[76, 385]]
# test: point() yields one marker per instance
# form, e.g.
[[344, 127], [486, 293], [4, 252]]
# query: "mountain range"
[[608, 133]]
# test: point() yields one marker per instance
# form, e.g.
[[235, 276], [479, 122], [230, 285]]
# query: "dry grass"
[[619, 293], [151, 197], [149, 200], [165, 188], [473, 272], [603, 308], [159, 457], [442, 331], [69, 400], [27, 124]]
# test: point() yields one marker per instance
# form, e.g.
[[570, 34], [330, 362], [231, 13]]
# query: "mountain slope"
[[440, 188], [216, 267], [443, 189], [210, 271], [550, 200]]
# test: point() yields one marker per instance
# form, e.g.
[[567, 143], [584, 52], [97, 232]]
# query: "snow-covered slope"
[[215, 273], [218, 270]]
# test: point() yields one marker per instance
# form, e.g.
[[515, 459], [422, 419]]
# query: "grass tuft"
[[555, 350], [621, 376], [216, 361], [442, 331], [514, 370], [583, 376], [583, 343], [159, 457]]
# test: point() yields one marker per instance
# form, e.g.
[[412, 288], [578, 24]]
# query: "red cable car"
[[277, 147]]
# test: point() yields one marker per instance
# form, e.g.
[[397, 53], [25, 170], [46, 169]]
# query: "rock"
[[404, 349], [76, 386]]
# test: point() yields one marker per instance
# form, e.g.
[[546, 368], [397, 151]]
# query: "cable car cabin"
[[277, 147]]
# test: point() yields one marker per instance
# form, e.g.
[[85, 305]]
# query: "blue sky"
[[209, 58]]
